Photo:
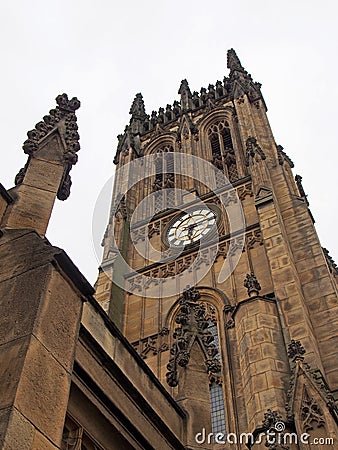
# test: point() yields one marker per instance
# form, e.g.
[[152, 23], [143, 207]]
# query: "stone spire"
[[138, 114], [186, 95], [240, 81], [233, 62], [137, 109], [63, 119], [52, 148]]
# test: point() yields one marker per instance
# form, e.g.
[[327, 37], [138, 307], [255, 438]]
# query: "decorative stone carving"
[[62, 117], [137, 108], [154, 228], [270, 419], [253, 150], [298, 365], [282, 157], [168, 113], [254, 238], [311, 414], [176, 108], [223, 250], [64, 189], [186, 96], [210, 313], [121, 207], [270, 423], [296, 351], [235, 87], [219, 89], [245, 191], [236, 244], [160, 116], [252, 285], [152, 345], [301, 191], [21, 175], [215, 378], [195, 99], [229, 246], [203, 95], [233, 62], [65, 110], [193, 325], [330, 262], [166, 270], [229, 312]]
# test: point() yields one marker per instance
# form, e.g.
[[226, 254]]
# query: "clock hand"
[[194, 224], [191, 230]]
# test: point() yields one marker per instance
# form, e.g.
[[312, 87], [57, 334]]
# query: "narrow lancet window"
[[216, 393], [223, 154]]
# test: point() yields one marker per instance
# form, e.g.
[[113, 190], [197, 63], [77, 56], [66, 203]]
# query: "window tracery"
[[223, 154], [164, 167], [74, 437], [164, 178]]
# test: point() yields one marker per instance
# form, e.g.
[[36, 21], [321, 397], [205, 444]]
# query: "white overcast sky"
[[104, 52]]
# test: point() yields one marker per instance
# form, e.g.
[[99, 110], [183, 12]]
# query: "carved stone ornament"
[[137, 109], [282, 157], [252, 285], [62, 117], [296, 350], [233, 61], [301, 191], [186, 95], [152, 345], [252, 151], [226, 248], [311, 414], [310, 410], [138, 115], [193, 327], [271, 422], [330, 262], [238, 86], [120, 209], [270, 419]]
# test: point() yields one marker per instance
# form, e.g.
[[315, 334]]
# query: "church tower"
[[212, 267]]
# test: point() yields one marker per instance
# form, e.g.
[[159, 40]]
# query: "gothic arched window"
[[223, 154], [164, 167], [164, 178]]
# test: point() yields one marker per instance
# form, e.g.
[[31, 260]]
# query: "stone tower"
[[212, 267]]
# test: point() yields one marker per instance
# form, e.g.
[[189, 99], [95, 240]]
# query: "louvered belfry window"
[[223, 154], [164, 182], [164, 166]]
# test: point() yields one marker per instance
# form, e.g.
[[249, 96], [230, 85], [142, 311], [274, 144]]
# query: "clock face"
[[191, 226]]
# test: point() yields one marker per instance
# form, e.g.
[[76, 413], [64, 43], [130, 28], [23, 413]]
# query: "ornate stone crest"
[[193, 326]]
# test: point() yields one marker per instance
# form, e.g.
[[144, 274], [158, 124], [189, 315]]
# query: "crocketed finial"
[[233, 62]]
